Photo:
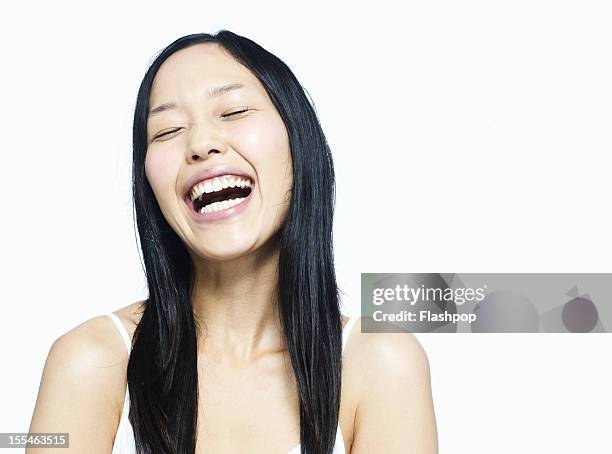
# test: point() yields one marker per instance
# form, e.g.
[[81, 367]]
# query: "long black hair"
[[162, 372]]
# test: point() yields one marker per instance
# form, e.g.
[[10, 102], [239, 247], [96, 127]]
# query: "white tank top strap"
[[122, 331], [347, 330]]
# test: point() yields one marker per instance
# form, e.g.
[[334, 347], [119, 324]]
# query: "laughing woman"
[[241, 346]]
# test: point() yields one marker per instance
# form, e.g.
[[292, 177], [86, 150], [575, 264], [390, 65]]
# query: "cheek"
[[265, 145], [160, 169]]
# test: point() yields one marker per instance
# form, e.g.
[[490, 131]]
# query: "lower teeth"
[[223, 205]]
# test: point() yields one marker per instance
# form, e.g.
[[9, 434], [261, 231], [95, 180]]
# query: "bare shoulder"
[[391, 383], [384, 358], [130, 316], [83, 386], [389, 352]]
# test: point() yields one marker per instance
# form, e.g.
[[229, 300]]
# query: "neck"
[[235, 303]]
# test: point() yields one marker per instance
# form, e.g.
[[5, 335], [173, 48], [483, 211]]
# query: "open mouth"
[[220, 193]]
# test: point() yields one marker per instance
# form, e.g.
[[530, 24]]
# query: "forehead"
[[198, 68]]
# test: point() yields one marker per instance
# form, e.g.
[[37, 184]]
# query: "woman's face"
[[218, 157]]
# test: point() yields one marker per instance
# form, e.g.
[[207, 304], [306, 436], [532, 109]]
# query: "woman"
[[240, 345]]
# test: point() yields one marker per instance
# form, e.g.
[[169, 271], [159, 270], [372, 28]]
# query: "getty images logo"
[[412, 295]]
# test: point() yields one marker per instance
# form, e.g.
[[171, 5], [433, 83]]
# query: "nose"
[[204, 141]]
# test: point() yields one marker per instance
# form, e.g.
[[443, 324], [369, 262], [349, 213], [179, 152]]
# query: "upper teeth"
[[217, 184]]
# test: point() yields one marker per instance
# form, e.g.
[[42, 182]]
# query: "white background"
[[468, 137]]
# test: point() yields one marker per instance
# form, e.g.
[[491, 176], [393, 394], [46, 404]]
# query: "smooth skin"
[[248, 395]]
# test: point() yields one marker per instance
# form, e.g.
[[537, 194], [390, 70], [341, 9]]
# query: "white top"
[[124, 439]]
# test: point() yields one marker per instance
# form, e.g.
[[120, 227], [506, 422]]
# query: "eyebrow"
[[212, 93]]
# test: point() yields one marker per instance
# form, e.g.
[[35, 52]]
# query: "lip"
[[219, 215], [211, 173]]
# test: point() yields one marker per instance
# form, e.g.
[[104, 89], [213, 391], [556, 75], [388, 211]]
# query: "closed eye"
[[165, 133], [236, 112], [227, 115]]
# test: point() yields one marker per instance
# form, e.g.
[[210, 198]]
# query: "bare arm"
[[395, 412], [81, 390]]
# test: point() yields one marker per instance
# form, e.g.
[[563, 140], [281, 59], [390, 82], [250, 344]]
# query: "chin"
[[223, 251]]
